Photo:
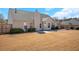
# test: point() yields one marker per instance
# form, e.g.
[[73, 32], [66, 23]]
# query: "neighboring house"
[[26, 19], [69, 23]]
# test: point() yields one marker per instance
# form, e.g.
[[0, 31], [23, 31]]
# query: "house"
[[27, 19], [70, 23]]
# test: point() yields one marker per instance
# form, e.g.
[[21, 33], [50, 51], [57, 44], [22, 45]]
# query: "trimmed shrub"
[[53, 27], [72, 28], [16, 30], [31, 30], [77, 28], [56, 28]]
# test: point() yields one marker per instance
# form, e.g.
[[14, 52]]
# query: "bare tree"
[[1, 18], [1, 22]]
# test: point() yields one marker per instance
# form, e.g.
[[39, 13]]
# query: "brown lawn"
[[61, 40]]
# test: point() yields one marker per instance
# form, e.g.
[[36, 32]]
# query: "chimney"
[[15, 10]]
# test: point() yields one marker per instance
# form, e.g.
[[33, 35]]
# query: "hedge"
[[31, 30], [77, 28], [16, 30]]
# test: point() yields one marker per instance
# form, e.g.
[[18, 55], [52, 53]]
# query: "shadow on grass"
[[41, 32]]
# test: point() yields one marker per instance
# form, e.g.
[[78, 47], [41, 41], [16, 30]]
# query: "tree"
[[1, 18], [1, 22], [6, 21]]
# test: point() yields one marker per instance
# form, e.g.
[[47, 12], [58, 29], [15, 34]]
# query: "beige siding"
[[20, 17], [46, 22]]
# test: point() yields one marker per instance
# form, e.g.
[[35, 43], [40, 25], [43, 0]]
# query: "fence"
[[5, 28]]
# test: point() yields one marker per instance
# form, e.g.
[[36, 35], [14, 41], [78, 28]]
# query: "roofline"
[[30, 12]]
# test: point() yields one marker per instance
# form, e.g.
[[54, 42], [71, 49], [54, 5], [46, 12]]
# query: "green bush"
[[16, 30], [53, 27], [31, 30], [77, 28], [56, 28], [72, 28]]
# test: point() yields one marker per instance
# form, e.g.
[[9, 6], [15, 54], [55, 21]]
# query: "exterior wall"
[[46, 22], [37, 21], [30, 18], [20, 24], [19, 18], [10, 16]]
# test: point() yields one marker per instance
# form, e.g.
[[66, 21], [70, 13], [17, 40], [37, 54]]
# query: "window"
[[15, 10], [40, 25], [48, 25]]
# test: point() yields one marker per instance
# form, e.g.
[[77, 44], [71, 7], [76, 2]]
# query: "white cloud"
[[48, 9], [67, 12]]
